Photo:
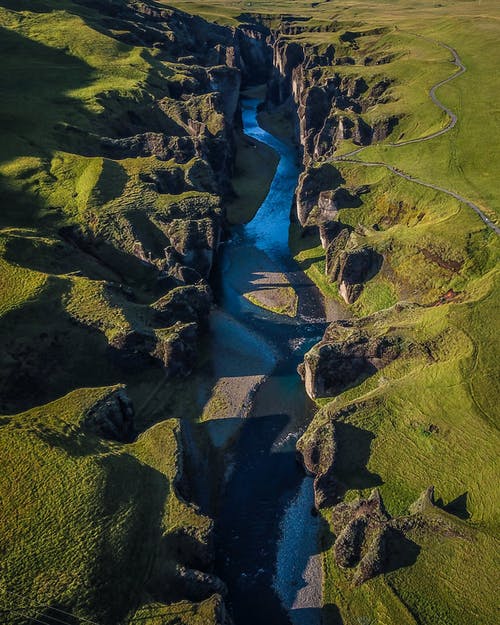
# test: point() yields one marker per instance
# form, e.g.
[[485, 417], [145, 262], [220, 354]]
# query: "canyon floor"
[[249, 262]]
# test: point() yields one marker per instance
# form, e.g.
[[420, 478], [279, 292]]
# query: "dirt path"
[[432, 93], [453, 118]]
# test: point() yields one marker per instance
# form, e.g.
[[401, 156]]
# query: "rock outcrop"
[[345, 356], [316, 197], [318, 456], [372, 542], [184, 303], [351, 265], [362, 529], [329, 107], [111, 417]]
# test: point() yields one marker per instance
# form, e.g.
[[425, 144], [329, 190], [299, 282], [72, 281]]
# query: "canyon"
[[243, 352]]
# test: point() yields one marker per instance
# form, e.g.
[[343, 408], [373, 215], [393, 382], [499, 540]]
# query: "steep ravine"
[[260, 551], [266, 536]]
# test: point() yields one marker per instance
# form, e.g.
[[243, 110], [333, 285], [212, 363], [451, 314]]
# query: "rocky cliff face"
[[111, 417], [182, 136], [347, 354], [350, 263], [329, 104]]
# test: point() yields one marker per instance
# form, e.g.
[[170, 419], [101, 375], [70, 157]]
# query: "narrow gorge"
[[246, 343]]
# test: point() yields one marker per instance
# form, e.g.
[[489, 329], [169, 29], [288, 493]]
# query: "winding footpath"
[[453, 118]]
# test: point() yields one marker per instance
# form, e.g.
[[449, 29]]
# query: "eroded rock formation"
[[111, 417], [346, 355]]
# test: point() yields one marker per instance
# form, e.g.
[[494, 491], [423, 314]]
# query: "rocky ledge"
[[347, 354]]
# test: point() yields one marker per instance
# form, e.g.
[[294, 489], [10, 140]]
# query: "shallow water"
[[265, 533]]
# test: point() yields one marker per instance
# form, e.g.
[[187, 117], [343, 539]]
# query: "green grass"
[[307, 251], [85, 521], [449, 385], [377, 294], [180, 613], [282, 300], [88, 525], [83, 518], [431, 244]]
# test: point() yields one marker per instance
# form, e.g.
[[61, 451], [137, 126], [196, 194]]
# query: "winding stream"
[[266, 537]]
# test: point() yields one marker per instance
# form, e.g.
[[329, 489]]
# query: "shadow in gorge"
[[331, 615], [263, 481]]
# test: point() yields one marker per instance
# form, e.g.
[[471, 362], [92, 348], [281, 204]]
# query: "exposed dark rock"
[[227, 82], [318, 457], [255, 53], [183, 149], [198, 585], [315, 199], [374, 560], [355, 268], [347, 547], [334, 250], [176, 348], [184, 303], [350, 264], [195, 241], [345, 356], [169, 181], [132, 349], [328, 232], [362, 527], [287, 55], [383, 128], [112, 417], [368, 538]]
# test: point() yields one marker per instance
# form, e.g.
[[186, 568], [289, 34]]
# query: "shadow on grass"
[[401, 551], [457, 506], [352, 457]]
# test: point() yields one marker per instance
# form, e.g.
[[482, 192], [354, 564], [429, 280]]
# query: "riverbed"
[[266, 537]]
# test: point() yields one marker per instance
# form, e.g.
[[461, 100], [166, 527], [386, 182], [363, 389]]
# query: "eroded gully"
[[266, 538]]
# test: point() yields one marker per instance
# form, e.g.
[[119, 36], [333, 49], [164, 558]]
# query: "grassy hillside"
[[109, 204], [93, 527], [86, 521], [430, 418]]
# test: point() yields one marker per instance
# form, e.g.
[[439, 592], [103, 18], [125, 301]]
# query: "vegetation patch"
[[282, 300]]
